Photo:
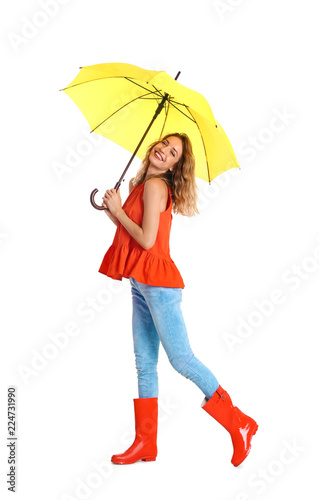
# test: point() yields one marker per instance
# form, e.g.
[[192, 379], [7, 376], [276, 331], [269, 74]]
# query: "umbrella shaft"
[[157, 112]]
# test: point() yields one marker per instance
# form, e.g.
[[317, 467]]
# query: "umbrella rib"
[[106, 77], [95, 80], [180, 103], [132, 81], [190, 118], [119, 109], [202, 142], [150, 98], [157, 90], [166, 109]]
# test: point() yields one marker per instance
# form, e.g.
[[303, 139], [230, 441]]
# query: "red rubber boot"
[[144, 446], [240, 426]]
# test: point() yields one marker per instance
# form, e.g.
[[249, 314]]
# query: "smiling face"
[[165, 155]]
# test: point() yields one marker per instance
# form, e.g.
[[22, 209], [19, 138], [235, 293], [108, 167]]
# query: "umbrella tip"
[[177, 75]]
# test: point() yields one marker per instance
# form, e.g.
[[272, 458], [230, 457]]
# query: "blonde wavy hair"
[[181, 180]]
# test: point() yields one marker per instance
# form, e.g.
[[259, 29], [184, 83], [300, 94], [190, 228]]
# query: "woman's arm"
[[154, 191]]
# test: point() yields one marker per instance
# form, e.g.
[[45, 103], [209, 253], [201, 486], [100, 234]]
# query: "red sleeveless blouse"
[[125, 257]]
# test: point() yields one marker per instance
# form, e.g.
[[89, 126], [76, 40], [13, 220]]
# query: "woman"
[[140, 252]]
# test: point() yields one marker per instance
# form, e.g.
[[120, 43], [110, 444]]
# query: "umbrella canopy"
[[119, 100]]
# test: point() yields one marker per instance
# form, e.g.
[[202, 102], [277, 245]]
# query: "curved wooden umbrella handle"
[[98, 207]]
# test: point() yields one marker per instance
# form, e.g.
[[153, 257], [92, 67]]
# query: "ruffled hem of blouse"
[[125, 261]]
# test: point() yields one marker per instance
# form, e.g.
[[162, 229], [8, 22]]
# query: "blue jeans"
[[157, 316]]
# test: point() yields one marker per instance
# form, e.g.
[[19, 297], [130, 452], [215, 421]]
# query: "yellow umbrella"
[[119, 100]]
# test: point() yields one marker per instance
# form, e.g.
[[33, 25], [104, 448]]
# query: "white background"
[[255, 240]]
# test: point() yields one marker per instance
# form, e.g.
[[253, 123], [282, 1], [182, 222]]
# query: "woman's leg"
[[146, 344], [163, 303], [164, 306]]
